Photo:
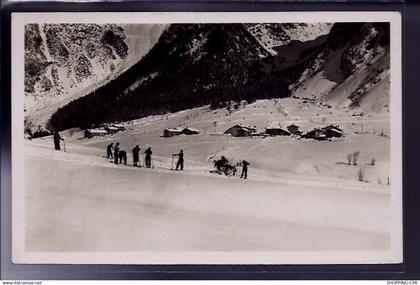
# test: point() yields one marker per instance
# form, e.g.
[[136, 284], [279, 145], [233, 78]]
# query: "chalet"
[[333, 131], [111, 129], [90, 133], [190, 131], [293, 129], [170, 132], [119, 127], [240, 131], [317, 134], [276, 131]]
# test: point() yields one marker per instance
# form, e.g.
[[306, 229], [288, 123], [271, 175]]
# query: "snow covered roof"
[[112, 128], [242, 128], [97, 131], [118, 126], [175, 130], [192, 129], [293, 126], [316, 130], [332, 127], [335, 130]]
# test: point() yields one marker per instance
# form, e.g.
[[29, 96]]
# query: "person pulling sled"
[[224, 167]]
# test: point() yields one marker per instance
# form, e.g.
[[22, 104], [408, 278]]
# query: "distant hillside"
[[66, 61], [352, 70], [194, 65], [191, 65], [271, 36]]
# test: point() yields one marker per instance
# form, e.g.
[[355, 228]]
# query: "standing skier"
[[109, 149], [123, 157], [57, 139], [116, 152], [148, 157], [244, 169], [180, 162], [136, 159]]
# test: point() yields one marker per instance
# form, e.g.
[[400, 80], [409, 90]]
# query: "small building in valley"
[[276, 131], [240, 131], [332, 131], [111, 129], [119, 127], [90, 133], [114, 128], [295, 130], [170, 132], [190, 131], [317, 134]]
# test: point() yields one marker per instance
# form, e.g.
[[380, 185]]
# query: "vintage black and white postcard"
[[207, 138]]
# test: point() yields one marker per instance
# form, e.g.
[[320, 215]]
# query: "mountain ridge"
[[66, 61], [193, 65]]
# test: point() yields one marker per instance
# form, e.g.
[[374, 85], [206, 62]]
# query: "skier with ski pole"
[[180, 162], [57, 138]]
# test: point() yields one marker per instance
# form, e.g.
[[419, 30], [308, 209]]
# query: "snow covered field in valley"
[[300, 194]]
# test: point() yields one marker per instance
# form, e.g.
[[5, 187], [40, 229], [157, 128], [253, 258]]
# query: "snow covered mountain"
[[352, 70], [271, 36], [66, 61], [191, 65]]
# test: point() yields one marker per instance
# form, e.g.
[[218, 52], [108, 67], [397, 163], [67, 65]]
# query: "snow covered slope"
[[275, 35], [352, 70], [66, 61], [299, 195], [193, 65]]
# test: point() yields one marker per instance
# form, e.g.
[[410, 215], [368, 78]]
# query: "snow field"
[[300, 194]]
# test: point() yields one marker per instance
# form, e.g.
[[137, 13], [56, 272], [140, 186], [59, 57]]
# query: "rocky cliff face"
[[60, 58], [66, 61], [352, 70], [191, 65], [271, 36]]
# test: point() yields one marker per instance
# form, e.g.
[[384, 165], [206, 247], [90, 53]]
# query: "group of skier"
[[119, 156]]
